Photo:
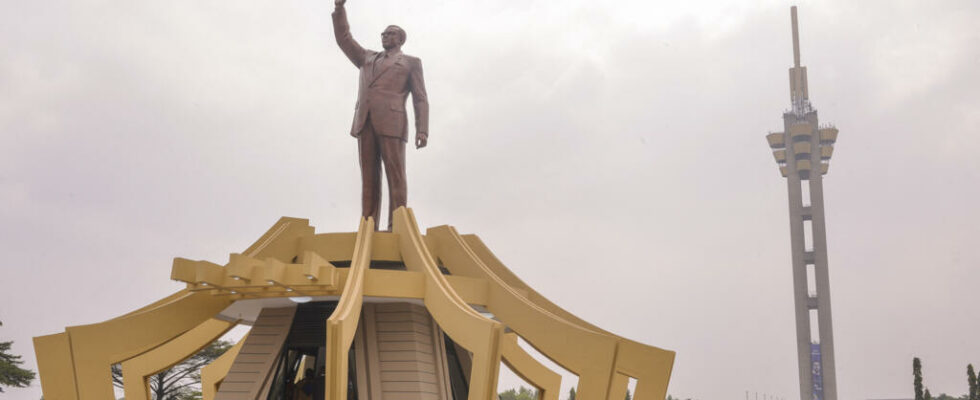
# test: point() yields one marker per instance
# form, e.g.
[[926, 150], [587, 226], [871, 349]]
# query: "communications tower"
[[803, 151]]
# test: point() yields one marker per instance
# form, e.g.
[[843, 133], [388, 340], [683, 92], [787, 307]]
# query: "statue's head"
[[392, 37]]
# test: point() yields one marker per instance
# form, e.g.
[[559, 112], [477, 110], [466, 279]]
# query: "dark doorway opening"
[[300, 369]]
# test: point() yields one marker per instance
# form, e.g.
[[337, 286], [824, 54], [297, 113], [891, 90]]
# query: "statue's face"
[[391, 38]]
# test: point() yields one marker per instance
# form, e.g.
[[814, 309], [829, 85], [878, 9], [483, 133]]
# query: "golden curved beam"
[[136, 370], [72, 364], [55, 366], [545, 380], [476, 333], [96, 347], [282, 240], [651, 366], [342, 324], [619, 386], [215, 372], [587, 353]]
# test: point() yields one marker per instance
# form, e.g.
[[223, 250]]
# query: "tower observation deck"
[[802, 151]]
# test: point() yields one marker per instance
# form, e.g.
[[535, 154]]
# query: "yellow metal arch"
[[92, 349], [476, 333], [215, 372], [587, 353], [619, 386], [342, 324], [136, 370], [545, 380], [56, 366], [290, 260], [651, 366], [56, 354], [282, 240]]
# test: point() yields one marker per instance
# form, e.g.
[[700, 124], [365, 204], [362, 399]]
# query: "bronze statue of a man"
[[380, 121]]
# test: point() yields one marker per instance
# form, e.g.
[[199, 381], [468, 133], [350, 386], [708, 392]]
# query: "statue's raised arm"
[[341, 30]]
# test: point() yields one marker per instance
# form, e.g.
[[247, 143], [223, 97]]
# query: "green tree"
[[917, 378], [571, 393], [628, 395], [181, 381], [927, 396], [971, 379], [522, 393], [10, 374]]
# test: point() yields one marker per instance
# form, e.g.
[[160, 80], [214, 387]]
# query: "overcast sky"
[[613, 154]]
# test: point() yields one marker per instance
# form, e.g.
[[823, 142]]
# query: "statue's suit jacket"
[[382, 91]]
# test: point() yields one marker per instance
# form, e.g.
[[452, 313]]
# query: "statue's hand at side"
[[421, 139]]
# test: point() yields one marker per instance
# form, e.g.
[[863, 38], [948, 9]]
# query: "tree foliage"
[[917, 378], [922, 392], [571, 394], [10, 373], [971, 377], [521, 393], [181, 381]]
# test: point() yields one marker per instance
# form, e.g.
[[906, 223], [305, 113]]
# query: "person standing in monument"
[[380, 121]]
